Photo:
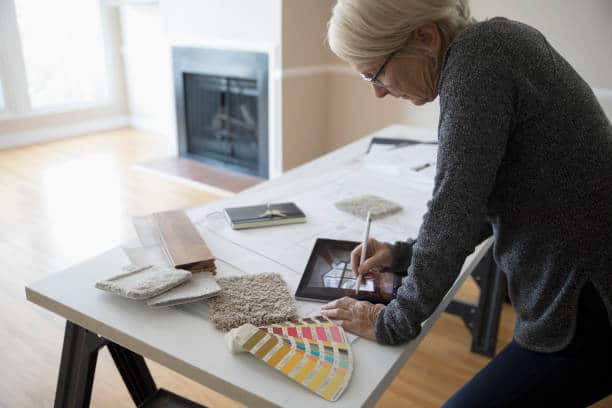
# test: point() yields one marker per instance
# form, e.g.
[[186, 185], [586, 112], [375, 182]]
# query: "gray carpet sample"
[[202, 285], [256, 299], [359, 206], [144, 282]]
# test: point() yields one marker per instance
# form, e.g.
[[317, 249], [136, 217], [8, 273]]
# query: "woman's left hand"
[[358, 317]]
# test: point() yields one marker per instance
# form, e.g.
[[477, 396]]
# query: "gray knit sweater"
[[525, 146]]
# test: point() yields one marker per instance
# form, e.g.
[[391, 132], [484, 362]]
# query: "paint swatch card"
[[312, 351]]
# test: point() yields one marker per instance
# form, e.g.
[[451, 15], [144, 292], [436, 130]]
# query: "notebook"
[[264, 215]]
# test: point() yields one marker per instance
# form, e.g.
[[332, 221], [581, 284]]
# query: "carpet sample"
[[359, 206], [144, 282], [202, 285], [313, 352], [256, 299]]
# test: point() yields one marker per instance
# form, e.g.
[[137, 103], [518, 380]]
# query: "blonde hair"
[[361, 31]]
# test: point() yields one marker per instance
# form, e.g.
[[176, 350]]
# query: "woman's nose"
[[380, 91]]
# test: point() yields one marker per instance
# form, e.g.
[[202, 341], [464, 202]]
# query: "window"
[[63, 52], [55, 56]]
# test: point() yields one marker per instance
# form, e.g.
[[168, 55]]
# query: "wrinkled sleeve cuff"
[[390, 331], [401, 254], [380, 329]]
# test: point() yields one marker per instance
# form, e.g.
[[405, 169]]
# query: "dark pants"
[[576, 376]]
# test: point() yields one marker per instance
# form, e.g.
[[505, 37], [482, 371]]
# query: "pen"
[[364, 249]]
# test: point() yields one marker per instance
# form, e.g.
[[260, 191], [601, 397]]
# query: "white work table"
[[182, 339]]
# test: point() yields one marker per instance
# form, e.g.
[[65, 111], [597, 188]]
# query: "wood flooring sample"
[[183, 244]]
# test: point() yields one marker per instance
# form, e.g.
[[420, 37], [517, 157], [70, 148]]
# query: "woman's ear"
[[428, 36]]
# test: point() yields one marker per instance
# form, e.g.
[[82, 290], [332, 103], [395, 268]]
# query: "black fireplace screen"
[[221, 119], [222, 107]]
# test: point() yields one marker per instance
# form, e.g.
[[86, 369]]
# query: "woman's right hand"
[[378, 255]]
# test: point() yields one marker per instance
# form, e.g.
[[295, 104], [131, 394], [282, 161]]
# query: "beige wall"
[[325, 105], [304, 31], [305, 107], [305, 114], [355, 111]]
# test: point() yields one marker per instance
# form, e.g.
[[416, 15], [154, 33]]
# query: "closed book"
[[254, 216]]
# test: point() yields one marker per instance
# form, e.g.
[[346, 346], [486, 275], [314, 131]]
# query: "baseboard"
[[61, 132], [151, 124]]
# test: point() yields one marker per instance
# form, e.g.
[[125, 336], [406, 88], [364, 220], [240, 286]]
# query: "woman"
[[524, 147]]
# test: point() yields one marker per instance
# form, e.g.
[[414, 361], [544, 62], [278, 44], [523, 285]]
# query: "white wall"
[[234, 24], [148, 71], [579, 30], [222, 21]]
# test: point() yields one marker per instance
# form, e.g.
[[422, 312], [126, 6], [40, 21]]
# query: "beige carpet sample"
[[359, 206], [144, 282], [202, 285], [256, 299]]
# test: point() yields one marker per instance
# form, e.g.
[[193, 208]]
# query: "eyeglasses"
[[374, 79]]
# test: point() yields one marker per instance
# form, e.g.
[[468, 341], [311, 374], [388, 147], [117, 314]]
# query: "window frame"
[[13, 74]]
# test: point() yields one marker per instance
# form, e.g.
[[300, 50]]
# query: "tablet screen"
[[329, 275]]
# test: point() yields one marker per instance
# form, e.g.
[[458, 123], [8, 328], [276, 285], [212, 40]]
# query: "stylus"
[[364, 249]]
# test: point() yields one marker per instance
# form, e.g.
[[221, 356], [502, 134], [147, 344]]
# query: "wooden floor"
[[65, 201]]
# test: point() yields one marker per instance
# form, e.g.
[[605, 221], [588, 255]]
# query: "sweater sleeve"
[[476, 116], [401, 251]]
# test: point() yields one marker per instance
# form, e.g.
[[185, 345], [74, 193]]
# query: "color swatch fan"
[[312, 351]]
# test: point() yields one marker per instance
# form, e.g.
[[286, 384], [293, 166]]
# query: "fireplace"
[[222, 108]]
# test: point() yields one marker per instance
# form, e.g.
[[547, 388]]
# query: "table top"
[[182, 338]]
